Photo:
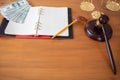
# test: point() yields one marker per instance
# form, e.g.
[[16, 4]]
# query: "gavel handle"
[[109, 51]]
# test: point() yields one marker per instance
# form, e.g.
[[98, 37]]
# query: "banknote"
[[12, 13], [16, 11], [14, 5], [19, 18]]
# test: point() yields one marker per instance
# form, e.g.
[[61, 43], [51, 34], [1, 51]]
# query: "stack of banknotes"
[[16, 11]]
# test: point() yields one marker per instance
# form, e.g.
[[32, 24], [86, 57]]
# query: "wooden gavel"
[[104, 20], [100, 30]]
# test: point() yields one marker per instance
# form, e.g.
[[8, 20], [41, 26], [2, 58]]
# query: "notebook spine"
[[38, 23]]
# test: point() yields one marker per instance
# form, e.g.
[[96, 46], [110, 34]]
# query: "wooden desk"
[[80, 58]]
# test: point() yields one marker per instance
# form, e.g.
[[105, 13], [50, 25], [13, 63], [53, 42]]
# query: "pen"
[[63, 29], [80, 18]]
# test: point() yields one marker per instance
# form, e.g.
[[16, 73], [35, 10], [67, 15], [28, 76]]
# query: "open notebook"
[[41, 22]]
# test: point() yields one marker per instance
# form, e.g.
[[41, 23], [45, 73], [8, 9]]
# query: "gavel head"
[[103, 19]]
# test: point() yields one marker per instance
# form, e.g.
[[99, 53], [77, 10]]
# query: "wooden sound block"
[[96, 33]]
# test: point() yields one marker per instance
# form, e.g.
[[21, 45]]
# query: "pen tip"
[[52, 37]]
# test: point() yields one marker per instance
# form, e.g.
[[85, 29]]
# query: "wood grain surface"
[[80, 58]]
